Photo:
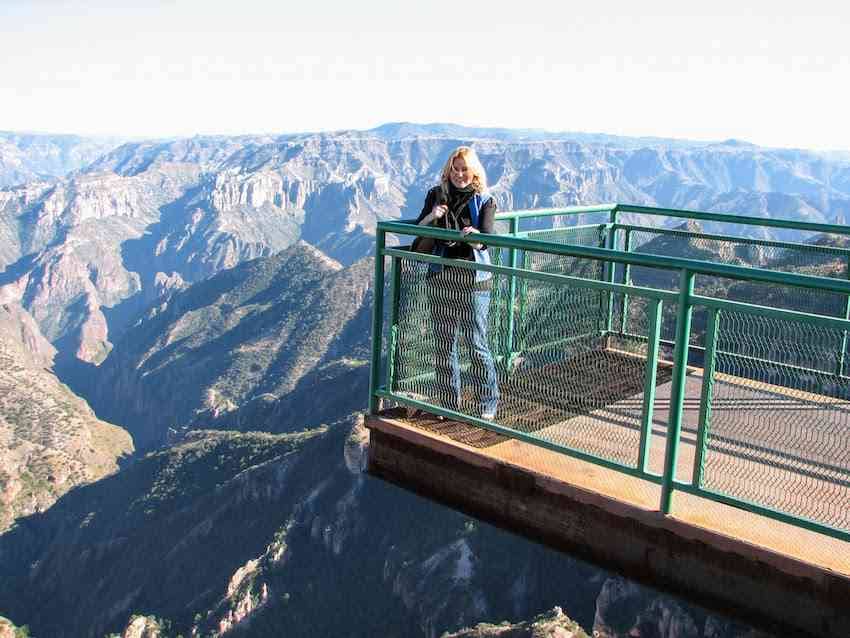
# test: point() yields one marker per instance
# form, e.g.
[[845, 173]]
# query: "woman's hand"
[[438, 211], [467, 230]]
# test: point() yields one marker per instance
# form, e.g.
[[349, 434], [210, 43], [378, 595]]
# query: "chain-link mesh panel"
[[410, 335], [554, 376], [577, 236], [564, 222], [631, 326], [779, 433], [444, 340], [502, 227], [385, 321], [563, 265], [566, 387], [805, 259], [813, 259]]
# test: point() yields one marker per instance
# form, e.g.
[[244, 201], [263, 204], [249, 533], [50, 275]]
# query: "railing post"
[[395, 287], [611, 244], [654, 335], [522, 295], [512, 262], [377, 319], [677, 396], [842, 354], [708, 368], [627, 270]]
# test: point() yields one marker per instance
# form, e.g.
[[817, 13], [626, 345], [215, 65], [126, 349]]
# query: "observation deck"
[[674, 402]]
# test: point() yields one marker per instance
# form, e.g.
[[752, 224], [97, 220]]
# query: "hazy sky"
[[773, 73]]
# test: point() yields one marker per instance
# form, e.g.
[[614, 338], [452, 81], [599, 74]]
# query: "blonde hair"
[[479, 177]]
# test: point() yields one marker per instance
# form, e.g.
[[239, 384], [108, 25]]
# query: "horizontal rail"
[[676, 212], [554, 212], [835, 250], [791, 519], [554, 278], [640, 259], [734, 219]]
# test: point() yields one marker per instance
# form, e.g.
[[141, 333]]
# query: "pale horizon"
[[773, 77]]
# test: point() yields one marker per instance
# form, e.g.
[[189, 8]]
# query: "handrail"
[[815, 248], [676, 212], [554, 212], [728, 271], [735, 219], [556, 278]]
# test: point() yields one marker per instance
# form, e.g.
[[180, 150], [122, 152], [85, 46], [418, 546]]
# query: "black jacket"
[[458, 217]]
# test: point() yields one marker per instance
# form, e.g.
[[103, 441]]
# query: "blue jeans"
[[458, 310]]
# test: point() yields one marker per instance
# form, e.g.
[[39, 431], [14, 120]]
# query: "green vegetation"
[[158, 522]]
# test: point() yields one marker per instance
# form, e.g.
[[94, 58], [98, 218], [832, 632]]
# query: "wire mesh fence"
[[779, 432], [451, 351], [572, 361], [806, 259]]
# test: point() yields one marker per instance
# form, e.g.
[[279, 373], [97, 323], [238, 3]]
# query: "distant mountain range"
[[27, 157], [213, 297], [84, 254]]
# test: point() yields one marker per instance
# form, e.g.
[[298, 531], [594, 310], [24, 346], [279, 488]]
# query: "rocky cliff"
[[50, 440], [553, 624], [261, 535], [247, 348], [627, 610]]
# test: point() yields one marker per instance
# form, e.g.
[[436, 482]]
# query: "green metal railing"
[[587, 327]]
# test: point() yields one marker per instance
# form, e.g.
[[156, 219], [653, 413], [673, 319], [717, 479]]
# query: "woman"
[[459, 298]]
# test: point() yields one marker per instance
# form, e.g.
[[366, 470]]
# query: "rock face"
[[247, 346], [159, 523], [50, 440], [85, 254], [626, 610], [252, 534], [142, 627], [553, 624]]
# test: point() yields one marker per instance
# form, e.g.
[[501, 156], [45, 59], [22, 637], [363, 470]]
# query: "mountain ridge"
[[25, 157], [249, 333], [176, 212]]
